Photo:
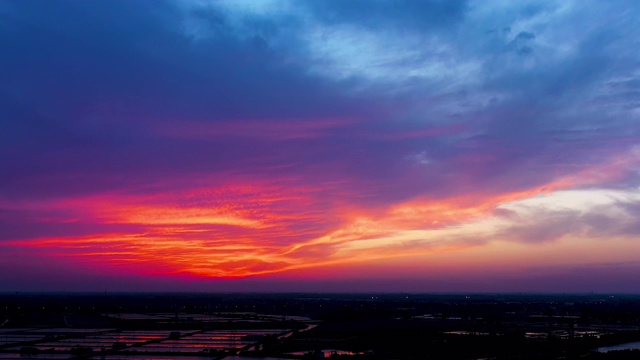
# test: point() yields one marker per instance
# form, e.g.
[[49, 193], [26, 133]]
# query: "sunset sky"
[[320, 145]]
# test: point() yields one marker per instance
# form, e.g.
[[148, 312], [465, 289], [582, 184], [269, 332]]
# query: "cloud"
[[593, 213], [295, 123]]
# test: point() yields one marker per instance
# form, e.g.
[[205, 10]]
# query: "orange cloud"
[[254, 229]]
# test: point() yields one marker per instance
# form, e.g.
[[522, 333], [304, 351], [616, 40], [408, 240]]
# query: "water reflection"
[[625, 346]]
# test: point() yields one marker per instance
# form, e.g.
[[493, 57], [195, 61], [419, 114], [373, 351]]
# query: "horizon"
[[261, 293], [346, 146]]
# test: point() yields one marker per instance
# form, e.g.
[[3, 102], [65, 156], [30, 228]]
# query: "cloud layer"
[[278, 140]]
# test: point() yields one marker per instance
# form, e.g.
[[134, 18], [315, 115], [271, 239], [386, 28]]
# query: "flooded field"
[[114, 344], [16, 356], [626, 346]]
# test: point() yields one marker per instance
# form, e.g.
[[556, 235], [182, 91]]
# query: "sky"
[[320, 146]]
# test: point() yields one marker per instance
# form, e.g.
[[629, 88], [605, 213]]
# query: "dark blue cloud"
[[424, 15], [87, 84], [93, 90]]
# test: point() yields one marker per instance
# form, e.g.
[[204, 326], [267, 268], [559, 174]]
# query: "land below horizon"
[[297, 326]]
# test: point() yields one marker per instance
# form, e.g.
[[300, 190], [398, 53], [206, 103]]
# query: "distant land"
[[141, 326]]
